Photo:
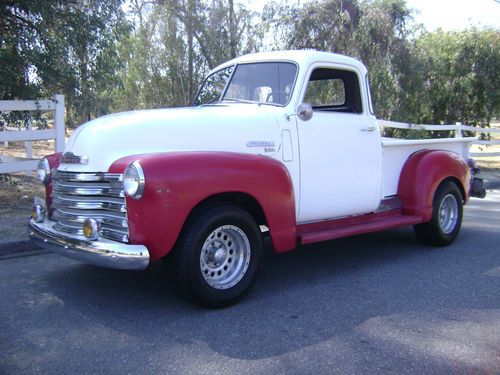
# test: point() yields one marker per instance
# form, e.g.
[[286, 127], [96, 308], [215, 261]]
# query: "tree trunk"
[[232, 30]]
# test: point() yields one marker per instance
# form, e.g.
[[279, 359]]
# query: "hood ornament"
[[70, 158]]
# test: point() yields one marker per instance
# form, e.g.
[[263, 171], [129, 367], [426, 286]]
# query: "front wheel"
[[447, 213], [217, 256]]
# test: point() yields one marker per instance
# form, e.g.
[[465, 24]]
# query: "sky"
[[447, 14], [456, 14]]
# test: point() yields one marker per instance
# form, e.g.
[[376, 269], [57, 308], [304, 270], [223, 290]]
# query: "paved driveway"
[[373, 304]]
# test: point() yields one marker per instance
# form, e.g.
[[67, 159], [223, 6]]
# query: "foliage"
[[416, 76], [155, 53], [461, 76], [372, 31], [60, 46], [175, 44]]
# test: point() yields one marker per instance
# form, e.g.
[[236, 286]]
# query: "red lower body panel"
[[332, 229]]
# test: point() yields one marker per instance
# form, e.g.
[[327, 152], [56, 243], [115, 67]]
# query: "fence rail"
[[56, 105], [10, 134], [457, 128]]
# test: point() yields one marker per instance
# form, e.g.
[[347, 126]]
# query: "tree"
[[416, 76], [175, 44], [461, 76], [373, 31], [61, 46]]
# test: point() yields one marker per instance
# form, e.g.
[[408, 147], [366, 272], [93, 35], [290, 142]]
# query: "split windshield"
[[269, 83]]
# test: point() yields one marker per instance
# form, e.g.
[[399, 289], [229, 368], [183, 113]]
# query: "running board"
[[374, 222]]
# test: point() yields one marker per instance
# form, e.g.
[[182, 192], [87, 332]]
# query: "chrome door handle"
[[369, 129]]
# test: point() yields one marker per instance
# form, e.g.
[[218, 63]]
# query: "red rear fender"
[[422, 174]]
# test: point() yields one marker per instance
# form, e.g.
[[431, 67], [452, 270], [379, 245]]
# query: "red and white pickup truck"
[[282, 144]]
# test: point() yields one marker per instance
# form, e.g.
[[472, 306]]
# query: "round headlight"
[[133, 180], [43, 170]]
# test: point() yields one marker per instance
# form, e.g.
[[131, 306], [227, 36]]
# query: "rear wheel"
[[447, 213], [217, 256]]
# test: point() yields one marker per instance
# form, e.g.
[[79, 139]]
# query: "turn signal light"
[[91, 229]]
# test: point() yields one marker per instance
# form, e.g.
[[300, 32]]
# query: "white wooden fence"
[[8, 164], [56, 105], [458, 128]]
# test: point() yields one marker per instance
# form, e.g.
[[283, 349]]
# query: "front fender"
[[177, 182], [421, 176]]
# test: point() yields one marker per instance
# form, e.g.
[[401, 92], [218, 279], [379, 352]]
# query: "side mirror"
[[305, 111]]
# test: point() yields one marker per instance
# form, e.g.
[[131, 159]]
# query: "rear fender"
[[178, 182], [421, 176]]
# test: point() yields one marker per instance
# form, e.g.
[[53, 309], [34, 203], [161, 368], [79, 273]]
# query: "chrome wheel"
[[446, 220], [448, 214], [225, 257]]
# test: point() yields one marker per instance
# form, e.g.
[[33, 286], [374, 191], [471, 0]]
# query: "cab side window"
[[334, 90]]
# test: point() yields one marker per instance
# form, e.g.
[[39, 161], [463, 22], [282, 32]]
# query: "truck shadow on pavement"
[[301, 299]]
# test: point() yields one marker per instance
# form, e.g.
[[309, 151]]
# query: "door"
[[340, 149]]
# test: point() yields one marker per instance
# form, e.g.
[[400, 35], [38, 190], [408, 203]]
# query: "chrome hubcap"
[[448, 213], [225, 257]]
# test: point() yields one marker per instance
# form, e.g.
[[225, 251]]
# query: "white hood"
[[248, 128]]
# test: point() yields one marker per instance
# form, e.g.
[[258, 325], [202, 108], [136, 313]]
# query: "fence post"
[[4, 125], [59, 122], [458, 131], [28, 146]]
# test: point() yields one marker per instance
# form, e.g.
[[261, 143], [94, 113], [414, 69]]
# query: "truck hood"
[[247, 128]]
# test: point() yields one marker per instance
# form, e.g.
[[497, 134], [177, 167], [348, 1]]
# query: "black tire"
[[217, 256], [447, 213]]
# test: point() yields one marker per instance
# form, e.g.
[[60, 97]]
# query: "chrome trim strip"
[[89, 177], [88, 203], [77, 216], [105, 231], [87, 189], [103, 253]]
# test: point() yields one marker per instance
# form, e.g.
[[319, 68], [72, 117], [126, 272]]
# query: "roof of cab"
[[301, 57]]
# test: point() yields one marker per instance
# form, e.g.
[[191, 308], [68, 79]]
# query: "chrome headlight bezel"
[[134, 180], [43, 171]]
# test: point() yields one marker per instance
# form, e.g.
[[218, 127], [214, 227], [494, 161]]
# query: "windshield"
[[270, 83]]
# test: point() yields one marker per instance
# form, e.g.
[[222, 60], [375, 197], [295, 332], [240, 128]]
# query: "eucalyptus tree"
[[372, 31], [175, 43], [461, 73]]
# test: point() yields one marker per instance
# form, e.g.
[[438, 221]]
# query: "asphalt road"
[[373, 304]]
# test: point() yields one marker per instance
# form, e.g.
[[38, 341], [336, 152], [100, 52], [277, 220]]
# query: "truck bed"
[[396, 152]]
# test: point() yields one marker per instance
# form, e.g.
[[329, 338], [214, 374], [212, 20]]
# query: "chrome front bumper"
[[104, 253]]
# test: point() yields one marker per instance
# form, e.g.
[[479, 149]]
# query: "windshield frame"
[[236, 100], [207, 77]]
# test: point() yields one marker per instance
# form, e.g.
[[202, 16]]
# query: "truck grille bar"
[[77, 196]]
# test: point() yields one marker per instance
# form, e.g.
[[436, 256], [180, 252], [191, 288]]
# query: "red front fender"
[[177, 182]]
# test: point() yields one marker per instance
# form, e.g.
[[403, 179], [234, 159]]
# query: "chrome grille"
[[78, 196]]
